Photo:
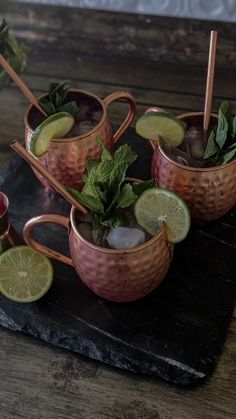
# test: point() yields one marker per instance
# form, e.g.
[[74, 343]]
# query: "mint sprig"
[[105, 191], [13, 52], [56, 100], [221, 145]]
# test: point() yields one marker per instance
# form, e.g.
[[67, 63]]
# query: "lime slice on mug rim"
[[25, 274], [55, 126], [156, 206], [153, 125]]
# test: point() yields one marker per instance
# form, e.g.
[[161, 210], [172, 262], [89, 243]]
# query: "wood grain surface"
[[161, 61]]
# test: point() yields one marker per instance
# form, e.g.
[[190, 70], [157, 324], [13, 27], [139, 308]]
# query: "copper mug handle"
[[41, 219], [131, 112]]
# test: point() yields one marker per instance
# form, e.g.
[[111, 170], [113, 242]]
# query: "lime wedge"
[[55, 126], [157, 205], [161, 124], [25, 274]]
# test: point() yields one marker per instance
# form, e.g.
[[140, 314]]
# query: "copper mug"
[[116, 275], [67, 157], [209, 192]]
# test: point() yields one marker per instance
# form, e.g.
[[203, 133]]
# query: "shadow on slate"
[[176, 333]]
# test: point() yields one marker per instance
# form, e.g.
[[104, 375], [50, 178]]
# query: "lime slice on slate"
[[161, 124], [25, 274], [55, 126], [157, 205]]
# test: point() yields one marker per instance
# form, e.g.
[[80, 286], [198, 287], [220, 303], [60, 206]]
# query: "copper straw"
[[41, 169], [29, 95], [210, 80]]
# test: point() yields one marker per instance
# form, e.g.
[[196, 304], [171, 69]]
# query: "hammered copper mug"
[[116, 275], [67, 157], [209, 192]]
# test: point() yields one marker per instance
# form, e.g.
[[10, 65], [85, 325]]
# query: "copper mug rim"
[[191, 168], [77, 137], [69, 223], [149, 242], [102, 102], [115, 251]]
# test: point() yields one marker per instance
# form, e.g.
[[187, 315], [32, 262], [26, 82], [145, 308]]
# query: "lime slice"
[[25, 274], [161, 124], [55, 126], [157, 205]]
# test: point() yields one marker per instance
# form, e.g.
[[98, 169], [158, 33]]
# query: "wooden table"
[[161, 61]]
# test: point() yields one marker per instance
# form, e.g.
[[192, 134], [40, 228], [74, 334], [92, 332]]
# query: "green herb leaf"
[[139, 188], [106, 155], [90, 202], [114, 220], [70, 107], [58, 93], [47, 106], [123, 157], [97, 176], [13, 52], [234, 126], [105, 191], [212, 147], [126, 197], [223, 126], [92, 165], [4, 34], [228, 156], [225, 109], [56, 100]]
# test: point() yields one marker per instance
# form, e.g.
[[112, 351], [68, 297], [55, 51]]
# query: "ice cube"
[[94, 115], [81, 127], [176, 154], [195, 142], [125, 237]]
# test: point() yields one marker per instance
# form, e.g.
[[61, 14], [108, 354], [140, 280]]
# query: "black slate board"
[[176, 333]]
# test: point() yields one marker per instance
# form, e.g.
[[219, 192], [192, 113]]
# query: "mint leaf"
[[114, 220], [94, 204], [93, 190], [122, 158], [106, 155], [105, 191], [91, 165], [228, 156], [4, 34], [47, 106], [212, 147], [223, 126], [13, 52], [126, 197], [97, 179], [70, 107], [139, 188], [234, 126], [90, 202], [225, 109], [58, 93], [124, 155], [56, 100]]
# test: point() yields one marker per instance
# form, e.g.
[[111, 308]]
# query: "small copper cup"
[[209, 192], [116, 275], [67, 157]]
